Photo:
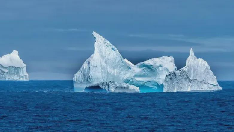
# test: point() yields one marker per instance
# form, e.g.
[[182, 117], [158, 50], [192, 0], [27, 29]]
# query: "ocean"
[[54, 106]]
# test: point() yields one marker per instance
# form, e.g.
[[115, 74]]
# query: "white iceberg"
[[13, 68], [106, 69], [105, 65], [195, 76]]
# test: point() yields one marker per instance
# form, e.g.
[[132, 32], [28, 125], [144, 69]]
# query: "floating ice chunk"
[[107, 65], [107, 69], [195, 76], [13, 68]]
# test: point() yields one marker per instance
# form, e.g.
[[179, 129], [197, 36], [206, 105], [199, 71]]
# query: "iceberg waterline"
[[13, 68], [107, 69]]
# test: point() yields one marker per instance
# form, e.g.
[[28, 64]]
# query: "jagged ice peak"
[[191, 52]]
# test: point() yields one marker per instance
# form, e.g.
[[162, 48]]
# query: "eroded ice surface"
[[151, 73], [13, 68], [118, 87], [105, 65], [195, 76]]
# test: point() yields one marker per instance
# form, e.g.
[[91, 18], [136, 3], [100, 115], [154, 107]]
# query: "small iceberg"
[[13, 68]]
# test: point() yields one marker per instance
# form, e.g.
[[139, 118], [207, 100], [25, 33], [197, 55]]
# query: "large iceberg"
[[104, 66], [13, 68], [107, 70], [195, 76]]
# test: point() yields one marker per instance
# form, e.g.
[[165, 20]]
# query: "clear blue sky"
[[54, 38]]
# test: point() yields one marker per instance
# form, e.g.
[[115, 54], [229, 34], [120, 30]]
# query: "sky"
[[54, 37]]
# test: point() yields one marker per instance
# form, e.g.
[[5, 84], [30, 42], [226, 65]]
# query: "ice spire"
[[15, 52], [105, 65], [191, 52], [196, 75], [103, 46], [96, 35]]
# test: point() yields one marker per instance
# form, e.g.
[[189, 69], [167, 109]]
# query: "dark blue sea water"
[[53, 106]]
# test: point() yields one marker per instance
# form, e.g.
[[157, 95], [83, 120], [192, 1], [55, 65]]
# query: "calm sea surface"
[[53, 106]]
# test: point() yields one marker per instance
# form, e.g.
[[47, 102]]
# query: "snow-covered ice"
[[13, 68]]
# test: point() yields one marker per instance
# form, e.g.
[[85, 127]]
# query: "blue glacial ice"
[[151, 73]]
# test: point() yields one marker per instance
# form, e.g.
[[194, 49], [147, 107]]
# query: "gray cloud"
[[172, 49], [202, 44]]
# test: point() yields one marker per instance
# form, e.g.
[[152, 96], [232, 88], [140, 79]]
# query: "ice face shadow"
[[101, 90], [94, 89], [80, 88]]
